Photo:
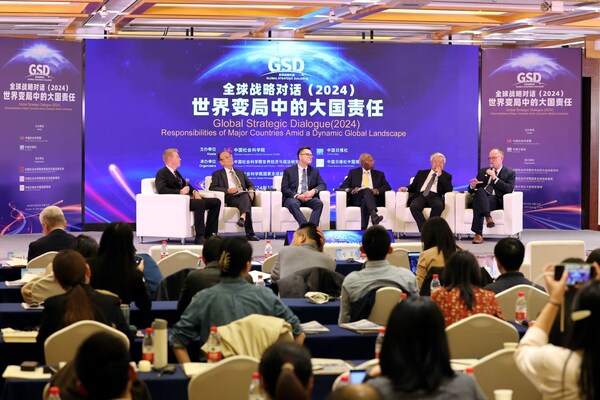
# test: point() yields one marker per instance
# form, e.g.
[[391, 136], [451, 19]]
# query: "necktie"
[[489, 187], [365, 181], [236, 180], [178, 179], [303, 184], [429, 185]]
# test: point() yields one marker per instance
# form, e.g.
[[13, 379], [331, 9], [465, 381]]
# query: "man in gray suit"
[[306, 251]]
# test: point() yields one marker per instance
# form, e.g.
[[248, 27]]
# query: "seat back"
[[64, 344], [385, 300], [154, 251], [148, 186], [541, 252], [536, 300], [177, 261], [228, 379], [277, 182], [499, 371], [42, 260], [399, 258], [479, 335], [269, 263]]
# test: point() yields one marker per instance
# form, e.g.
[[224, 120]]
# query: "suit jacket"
[[221, 184], [56, 240], [444, 184], [289, 183], [505, 184], [354, 179], [167, 183]]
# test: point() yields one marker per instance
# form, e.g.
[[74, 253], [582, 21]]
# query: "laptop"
[[413, 259]]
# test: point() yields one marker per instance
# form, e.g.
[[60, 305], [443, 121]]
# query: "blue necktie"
[[303, 184]]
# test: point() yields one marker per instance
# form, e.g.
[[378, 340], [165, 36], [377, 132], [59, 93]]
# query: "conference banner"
[[262, 100], [531, 109], [41, 132]]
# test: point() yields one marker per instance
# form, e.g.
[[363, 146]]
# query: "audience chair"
[[269, 263], [541, 252], [154, 251], [349, 217], [499, 371], [536, 300], [64, 344], [385, 300], [405, 223], [42, 260], [281, 218], [399, 258], [479, 335], [509, 221], [227, 379], [177, 261]]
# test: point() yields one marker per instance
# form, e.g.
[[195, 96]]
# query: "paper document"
[[314, 327], [329, 366], [362, 326]]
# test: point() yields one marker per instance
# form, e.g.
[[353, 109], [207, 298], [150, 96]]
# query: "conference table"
[[10, 294], [8, 273]]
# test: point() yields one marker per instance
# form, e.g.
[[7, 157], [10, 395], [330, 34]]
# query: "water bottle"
[[403, 296], [379, 342], [268, 249], [214, 353], [344, 380], [160, 342], [255, 392], [470, 371], [164, 250], [435, 284], [54, 393], [199, 265], [148, 346], [260, 281], [520, 308]]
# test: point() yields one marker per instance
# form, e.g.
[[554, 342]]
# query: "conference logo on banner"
[[41, 130], [532, 111]]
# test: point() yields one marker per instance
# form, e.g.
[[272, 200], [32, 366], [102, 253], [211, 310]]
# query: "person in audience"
[[428, 190], [305, 251], [355, 392], [461, 295], [115, 268], [55, 237], [286, 371], [367, 188], [80, 302], [228, 301], [45, 285], [593, 257], [572, 371], [414, 362], [378, 272], [438, 245], [509, 253]]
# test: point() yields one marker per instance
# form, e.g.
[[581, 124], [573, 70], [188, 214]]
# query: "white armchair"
[[541, 252], [229, 216], [281, 218], [405, 223], [348, 217], [509, 221]]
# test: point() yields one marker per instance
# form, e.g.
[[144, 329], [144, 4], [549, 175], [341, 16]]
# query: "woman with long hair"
[[286, 372], [115, 269], [462, 295], [438, 245], [573, 371], [414, 362]]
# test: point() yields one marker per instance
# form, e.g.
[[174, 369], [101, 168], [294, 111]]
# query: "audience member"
[[286, 372], [438, 245], [230, 300], [306, 251], [572, 371], [378, 272], [461, 295], [509, 253], [414, 362], [115, 269], [55, 236], [80, 302]]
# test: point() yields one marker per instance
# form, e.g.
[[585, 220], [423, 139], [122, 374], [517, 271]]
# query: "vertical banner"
[[531, 109], [41, 129]]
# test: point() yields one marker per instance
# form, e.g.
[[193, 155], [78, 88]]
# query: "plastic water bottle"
[[470, 371], [148, 346], [164, 250], [54, 393], [379, 342], [520, 308], [268, 249], [255, 392], [214, 353], [435, 284], [199, 265], [344, 380], [403, 296], [260, 281]]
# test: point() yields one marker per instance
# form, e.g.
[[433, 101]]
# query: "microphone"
[[187, 181]]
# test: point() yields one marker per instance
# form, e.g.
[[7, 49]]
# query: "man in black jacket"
[[56, 238]]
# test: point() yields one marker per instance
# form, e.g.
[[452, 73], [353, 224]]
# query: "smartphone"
[[357, 376], [138, 260], [576, 273]]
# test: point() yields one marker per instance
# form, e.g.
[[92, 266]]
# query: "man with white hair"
[[56, 237], [428, 189]]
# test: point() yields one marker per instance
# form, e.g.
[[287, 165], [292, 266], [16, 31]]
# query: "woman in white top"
[[571, 372]]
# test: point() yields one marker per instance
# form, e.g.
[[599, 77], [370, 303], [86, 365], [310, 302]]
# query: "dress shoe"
[[199, 239], [376, 219], [241, 222], [252, 238], [478, 239], [489, 221]]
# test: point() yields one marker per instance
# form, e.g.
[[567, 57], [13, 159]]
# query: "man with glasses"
[[238, 189], [488, 189], [300, 187]]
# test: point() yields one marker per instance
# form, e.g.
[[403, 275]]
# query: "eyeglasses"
[[493, 158], [306, 154]]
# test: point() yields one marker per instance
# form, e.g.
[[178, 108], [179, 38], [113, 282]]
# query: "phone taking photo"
[[138, 260], [357, 376], [577, 273]]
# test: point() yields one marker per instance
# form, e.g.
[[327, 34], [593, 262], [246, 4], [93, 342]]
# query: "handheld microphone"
[[187, 181]]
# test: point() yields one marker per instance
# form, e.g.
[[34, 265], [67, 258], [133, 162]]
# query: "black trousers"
[[198, 206], [367, 202], [418, 204], [242, 202], [483, 203]]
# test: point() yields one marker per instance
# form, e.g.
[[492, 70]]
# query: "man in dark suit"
[[56, 238], [238, 189], [300, 187], [169, 181], [428, 190], [488, 189], [368, 190]]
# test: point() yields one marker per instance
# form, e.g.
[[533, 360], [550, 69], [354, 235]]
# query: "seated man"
[[368, 190], [377, 272], [305, 251], [56, 237], [509, 253]]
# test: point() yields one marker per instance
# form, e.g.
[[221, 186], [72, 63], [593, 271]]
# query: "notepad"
[[362, 326], [11, 335], [14, 372], [194, 368], [329, 366], [314, 327]]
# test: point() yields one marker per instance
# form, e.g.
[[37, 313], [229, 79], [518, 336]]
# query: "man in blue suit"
[[300, 187]]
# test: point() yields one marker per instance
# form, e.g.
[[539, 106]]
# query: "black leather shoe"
[[199, 239], [241, 222], [489, 221], [252, 238], [376, 219]]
